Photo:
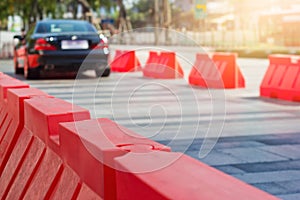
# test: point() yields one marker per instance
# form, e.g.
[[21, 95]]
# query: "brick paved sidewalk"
[[269, 162]]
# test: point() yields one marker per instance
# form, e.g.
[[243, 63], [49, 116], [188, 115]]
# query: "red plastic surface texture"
[[96, 143], [44, 113], [34, 168], [216, 70], [177, 176], [282, 79], [12, 118], [125, 61], [163, 65]]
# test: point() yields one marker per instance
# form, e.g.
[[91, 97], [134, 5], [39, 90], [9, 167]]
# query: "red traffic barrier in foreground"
[[163, 65], [7, 82], [125, 61], [96, 151], [216, 70], [43, 115], [177, 176], [35, 169], [282, 79], [9, 117], [13, 120]]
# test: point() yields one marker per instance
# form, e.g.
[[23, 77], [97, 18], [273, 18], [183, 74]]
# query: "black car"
[[61, 46]]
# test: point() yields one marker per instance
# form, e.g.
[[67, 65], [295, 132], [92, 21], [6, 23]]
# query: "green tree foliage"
[[32, 10], [141, 13]]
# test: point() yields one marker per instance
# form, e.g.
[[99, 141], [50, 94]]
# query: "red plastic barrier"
[[35, 169], [87, 193], [216, 70], [162, 65], [282, 79], [52, 172], [197, 180], [6, 82], [9, 119], [12, 168], [125, 61], [13, 122], [44, 113], [105, 140]]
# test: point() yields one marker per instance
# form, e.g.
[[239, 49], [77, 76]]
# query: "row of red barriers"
[[51, 149], [162, 65], [217, 70]]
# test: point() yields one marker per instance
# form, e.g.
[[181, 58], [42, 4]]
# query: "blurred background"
[[220, 24]]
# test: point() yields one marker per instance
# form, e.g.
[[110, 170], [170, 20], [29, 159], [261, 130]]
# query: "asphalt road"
[[257, 140]]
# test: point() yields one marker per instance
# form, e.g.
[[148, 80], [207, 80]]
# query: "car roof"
[[62, 21]]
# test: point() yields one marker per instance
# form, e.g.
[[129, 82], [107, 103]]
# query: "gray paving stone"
[[248, 141], [196, 144], [269, 166], [289, 151], [268, 177], [290, 196], [291, 186], [253, 155], [236, 144], [249, 138], [281, 139], [228, 169], [271, 188], [216, 158]]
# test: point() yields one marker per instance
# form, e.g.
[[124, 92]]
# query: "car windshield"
[[64, 27]]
